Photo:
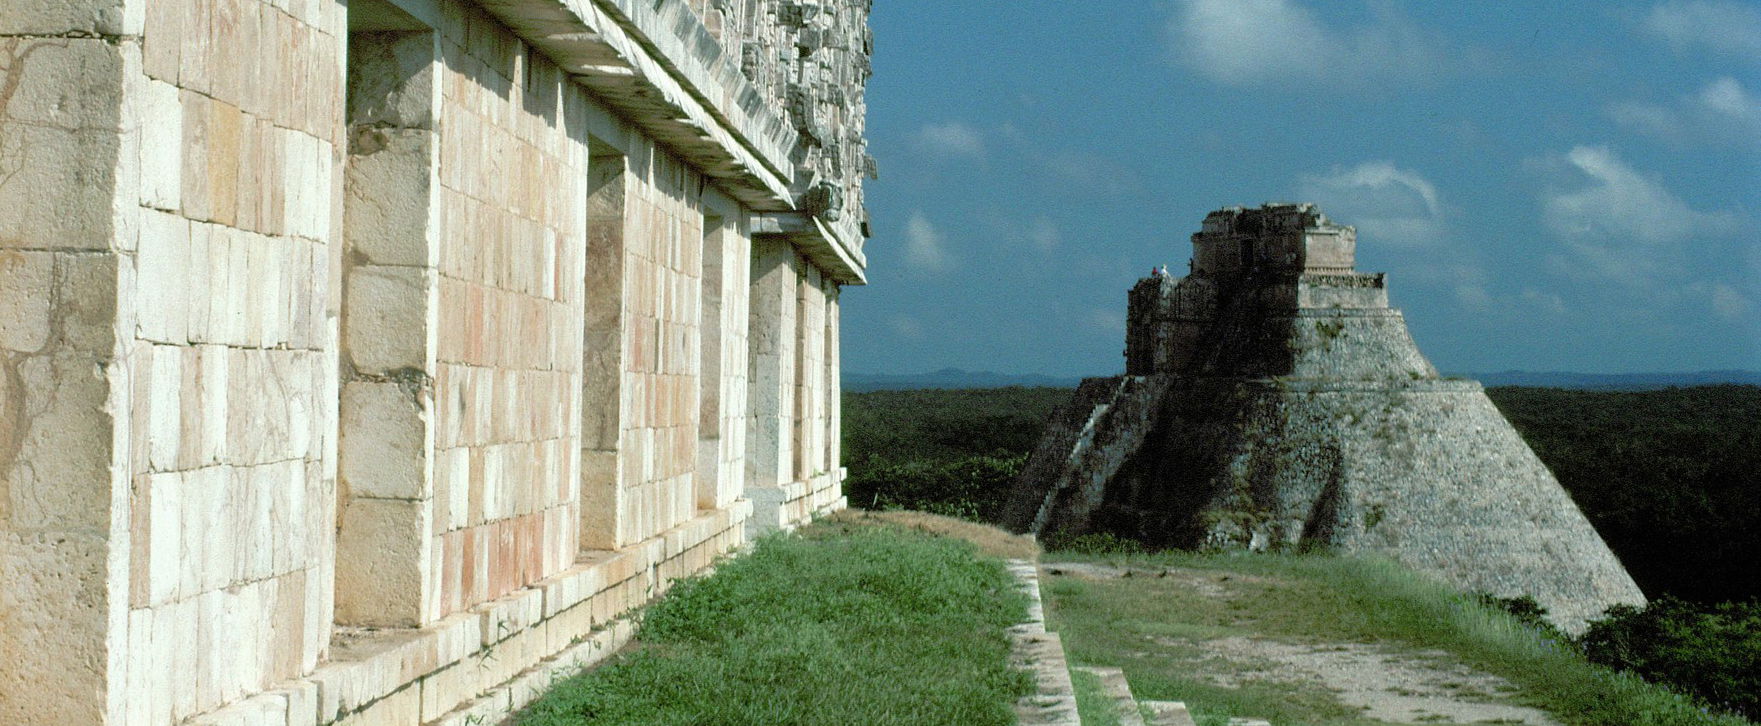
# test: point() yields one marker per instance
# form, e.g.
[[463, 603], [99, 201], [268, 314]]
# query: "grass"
[[847, 622], [1092, 702], [1320, 599]]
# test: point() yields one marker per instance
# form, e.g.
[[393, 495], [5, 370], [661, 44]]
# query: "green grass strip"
[[874, 626], [1093, 703]]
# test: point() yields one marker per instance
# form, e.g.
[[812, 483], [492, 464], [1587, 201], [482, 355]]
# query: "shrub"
[[1096, 543], [1526, 611], [972, 487], [1710, 651]]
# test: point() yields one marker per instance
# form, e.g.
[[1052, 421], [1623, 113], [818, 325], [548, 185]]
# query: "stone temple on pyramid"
[[1272, 400]]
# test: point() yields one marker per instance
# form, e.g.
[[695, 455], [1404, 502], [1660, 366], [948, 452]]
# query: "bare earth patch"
[[1388, 683]]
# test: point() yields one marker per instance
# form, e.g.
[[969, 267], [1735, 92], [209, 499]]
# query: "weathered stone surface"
[[381, 556], [213, 270], [1276, 402], [60, 118]]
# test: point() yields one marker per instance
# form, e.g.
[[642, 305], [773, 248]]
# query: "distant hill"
[[959, 378], [1614, 381], [950, 378]]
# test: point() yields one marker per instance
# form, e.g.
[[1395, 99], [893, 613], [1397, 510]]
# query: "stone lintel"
[[820, 243]]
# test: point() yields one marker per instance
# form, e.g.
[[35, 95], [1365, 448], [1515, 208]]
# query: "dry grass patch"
[[990, 540]]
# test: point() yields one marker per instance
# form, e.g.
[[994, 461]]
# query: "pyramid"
[[1272, 400]]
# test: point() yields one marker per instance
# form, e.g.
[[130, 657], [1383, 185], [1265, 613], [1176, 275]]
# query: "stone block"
[[381, 553], [161, 42], [389, 319], [60, 129], [59, 478], [403, 708], [225, 143], [199, 275], [211, 394], [386, 442], [163, 547], [26, 296], [161, 278], [55, 634], [161, 127], [193, 49], [68, 17]]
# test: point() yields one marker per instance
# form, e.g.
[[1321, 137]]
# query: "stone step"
[[1239, 721], [1114, 685], [1041, 653], [1053, 702], [1168, 713]]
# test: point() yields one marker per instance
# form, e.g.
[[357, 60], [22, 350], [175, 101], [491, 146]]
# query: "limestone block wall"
[[231, 451], [663, 269], [63, 362], [727, 265], [791, 442], [168, 471], [512, 181], [316, 315]]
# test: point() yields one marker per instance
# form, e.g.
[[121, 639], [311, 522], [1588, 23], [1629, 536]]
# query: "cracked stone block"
[[60, 118]]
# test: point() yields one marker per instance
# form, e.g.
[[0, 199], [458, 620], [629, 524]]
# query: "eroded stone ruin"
[[1273, 400]]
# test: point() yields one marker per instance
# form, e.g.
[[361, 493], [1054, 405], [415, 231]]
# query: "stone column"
[[722, 398], [68, 177], [808, 433], [390, 341], [602, 369], [834, 393], [771, 334]]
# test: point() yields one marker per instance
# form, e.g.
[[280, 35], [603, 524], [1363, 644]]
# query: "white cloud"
[[924, 245], [906, 327], [1536, 300], [1728, 303], [1111, 321], [1622, 224], [1387, 204], [1722, 112], [1249, 42], [1473, 295], [952, 139], [1043, 233], [1726, 27]]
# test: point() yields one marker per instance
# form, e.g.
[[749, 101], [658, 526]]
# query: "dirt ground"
[[1388, 683]]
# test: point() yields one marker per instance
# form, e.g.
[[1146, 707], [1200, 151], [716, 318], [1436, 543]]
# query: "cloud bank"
[[924, 246], [1722, 112], [1253, 42], [952, 138], [1724, 27], [1621, 224], [1387, 204]]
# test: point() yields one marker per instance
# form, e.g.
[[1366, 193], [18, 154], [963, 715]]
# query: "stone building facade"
[[361, 362]]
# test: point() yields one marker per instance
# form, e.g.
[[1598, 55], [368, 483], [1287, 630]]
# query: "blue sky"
[[1549, 186]]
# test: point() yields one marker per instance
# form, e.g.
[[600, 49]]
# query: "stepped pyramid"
[[1273, 400]]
